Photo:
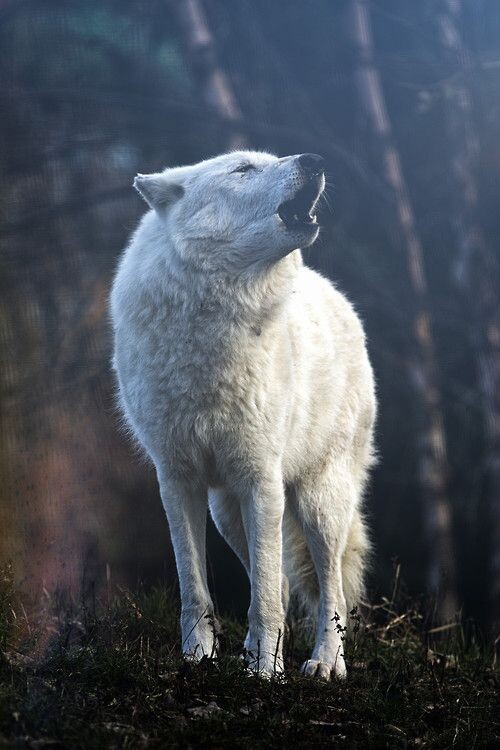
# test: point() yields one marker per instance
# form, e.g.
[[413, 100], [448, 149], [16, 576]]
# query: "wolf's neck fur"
[[247, 298]]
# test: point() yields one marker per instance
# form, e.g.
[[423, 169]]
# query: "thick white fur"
[[244, 375]]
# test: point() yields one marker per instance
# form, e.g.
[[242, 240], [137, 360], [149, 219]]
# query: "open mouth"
[[299, 211]]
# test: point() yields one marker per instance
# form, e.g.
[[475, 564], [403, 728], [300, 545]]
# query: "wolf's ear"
[[158, 190]]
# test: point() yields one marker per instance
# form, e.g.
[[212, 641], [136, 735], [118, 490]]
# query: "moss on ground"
[[71, 678]]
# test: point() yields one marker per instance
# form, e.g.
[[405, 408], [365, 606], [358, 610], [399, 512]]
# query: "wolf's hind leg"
[[226, 513], [325, 506]]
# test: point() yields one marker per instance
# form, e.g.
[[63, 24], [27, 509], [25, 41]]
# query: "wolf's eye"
[[243, 168]]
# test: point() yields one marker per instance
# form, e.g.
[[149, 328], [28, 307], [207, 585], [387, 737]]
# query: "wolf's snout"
[[311, 164]]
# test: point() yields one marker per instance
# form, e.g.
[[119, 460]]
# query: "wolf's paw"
[[202, 641], [322, 670], [197, 654], [265, 666], [200, 637], [264, 673], [263, 655]]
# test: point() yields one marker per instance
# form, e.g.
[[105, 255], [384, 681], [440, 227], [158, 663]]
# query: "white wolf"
[[245, 377]]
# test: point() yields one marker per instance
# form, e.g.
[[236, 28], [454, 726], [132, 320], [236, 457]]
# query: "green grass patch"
[[71, 678]]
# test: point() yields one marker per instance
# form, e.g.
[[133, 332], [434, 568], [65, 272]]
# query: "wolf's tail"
[[299, 567]]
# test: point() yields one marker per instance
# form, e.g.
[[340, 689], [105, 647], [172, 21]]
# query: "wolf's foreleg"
[[186, 508], [262, 509]]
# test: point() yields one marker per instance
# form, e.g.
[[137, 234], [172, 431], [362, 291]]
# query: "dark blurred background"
[[402, 99]]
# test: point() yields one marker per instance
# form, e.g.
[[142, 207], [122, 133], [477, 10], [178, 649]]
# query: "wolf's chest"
[[191, 386], [213, 401], [208, 373]]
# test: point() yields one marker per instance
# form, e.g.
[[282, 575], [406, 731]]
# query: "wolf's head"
[[239, 209]]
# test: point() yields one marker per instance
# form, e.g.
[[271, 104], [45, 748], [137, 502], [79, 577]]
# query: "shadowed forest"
[[403, 101]]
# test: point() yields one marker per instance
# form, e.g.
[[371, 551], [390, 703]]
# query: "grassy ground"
[[115, 679]]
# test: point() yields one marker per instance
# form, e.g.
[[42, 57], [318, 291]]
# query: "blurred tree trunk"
[[476, 268], [431, 442], [215, 86]]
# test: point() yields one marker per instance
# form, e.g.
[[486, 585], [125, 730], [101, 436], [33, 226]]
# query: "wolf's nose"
[[311, 164]]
